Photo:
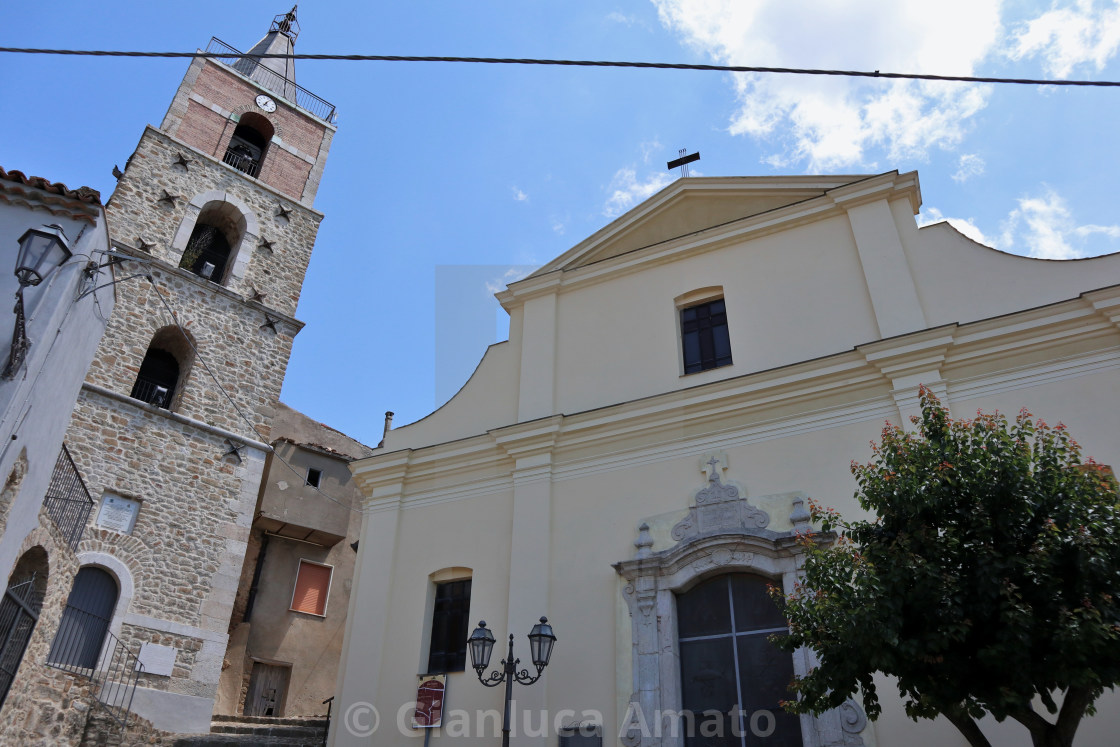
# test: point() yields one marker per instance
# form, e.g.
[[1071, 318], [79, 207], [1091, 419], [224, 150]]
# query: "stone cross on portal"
[[713, 474]]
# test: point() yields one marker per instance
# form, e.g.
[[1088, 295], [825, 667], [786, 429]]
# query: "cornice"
[[294, 325], [217, 163], [845, 388], [835, 202], [177, 418]]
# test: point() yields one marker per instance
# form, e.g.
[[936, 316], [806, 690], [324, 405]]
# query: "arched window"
[[248, 144], [164, 369], [729, 666], [85, 620], [216, 232], [19, 611]]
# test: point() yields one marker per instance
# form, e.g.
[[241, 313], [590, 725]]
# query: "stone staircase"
[[253, 731]]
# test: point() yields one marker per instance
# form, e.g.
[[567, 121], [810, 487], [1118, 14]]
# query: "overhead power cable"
[[580, 63]]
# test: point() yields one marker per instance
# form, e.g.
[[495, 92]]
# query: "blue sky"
[[440, 165]]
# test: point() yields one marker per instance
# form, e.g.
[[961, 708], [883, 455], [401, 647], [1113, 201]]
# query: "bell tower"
[[214, 224]]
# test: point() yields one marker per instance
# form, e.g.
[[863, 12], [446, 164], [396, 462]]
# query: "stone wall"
[[102, 730], [46, 706], [248, 361], [140, 218]]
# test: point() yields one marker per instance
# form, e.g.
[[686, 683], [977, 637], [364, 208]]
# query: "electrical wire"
[[576, 63]]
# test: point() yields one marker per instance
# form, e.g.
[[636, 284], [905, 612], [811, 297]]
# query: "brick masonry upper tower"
[[172, 423]]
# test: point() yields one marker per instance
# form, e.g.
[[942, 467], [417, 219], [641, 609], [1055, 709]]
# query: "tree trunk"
[[966, 725]]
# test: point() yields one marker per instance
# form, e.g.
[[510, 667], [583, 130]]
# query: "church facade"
[[635, 461]]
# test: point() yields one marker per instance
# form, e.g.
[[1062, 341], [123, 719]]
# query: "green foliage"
[[987, 579]]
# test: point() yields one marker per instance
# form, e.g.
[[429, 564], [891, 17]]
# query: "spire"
[[276, 74]]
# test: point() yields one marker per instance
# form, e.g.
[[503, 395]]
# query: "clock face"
[[266, 103]]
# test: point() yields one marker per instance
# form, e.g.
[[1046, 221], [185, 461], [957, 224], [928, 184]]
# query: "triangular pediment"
[[691, 205]]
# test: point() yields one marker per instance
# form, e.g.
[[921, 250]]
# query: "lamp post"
[[481, 644], [40, 251]]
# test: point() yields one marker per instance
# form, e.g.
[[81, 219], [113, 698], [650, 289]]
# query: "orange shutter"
[[312, 583]]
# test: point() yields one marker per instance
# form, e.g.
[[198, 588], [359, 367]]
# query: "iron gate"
[[19, 611]]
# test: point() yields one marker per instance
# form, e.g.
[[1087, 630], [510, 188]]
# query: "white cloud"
[[966, 226], [1080, 33], [626, 191], [626, 20], [518, 195], [511, 275], [968, 166], [1043, 226], [649, 148], [1040, 226], [558, 227], [833, 122]]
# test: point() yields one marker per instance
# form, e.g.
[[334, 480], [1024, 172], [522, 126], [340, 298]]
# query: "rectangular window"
[[448, 651], [313, 476], [313, 583], [704, 338]]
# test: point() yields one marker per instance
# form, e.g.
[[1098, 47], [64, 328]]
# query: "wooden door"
[[268, 685]]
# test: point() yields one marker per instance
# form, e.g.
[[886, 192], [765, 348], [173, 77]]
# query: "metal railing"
[[68, 501], [152, 392], [19, 611], [84, 647], [251, 67], [242, 163]]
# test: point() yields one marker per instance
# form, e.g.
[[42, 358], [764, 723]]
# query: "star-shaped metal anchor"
[[234, 450], [265, 244], [284, 212], [269, 323], [256, 295], [144, 246], [169, 198], [182, 161]]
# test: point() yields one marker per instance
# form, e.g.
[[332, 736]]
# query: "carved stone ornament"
[[722, 533], [719, 508]]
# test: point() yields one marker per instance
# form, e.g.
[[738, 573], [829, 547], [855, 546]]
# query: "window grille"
[[448, 650], [704, 337]]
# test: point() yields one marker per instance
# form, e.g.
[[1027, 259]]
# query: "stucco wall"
[[830, 339]]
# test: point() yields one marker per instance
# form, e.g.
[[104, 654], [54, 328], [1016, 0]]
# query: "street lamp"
[[481, 644], [40, 251]]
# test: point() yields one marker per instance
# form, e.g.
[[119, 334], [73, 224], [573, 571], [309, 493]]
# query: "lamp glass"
[[481, 644], [40, 251], [541, 641]]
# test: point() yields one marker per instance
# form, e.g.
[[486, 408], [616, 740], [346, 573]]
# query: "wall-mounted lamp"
[[41, 250]]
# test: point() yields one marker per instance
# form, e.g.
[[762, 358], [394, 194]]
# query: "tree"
[[985, 583]]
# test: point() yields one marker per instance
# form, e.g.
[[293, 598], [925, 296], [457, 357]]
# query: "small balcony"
[[243, 162], [252, 68], [152, 392], [68, 502]]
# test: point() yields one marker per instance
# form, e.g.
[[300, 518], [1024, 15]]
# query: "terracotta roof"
[[36, 193], [83, 194]]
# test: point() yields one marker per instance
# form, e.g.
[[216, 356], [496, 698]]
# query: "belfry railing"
[[251, 67]]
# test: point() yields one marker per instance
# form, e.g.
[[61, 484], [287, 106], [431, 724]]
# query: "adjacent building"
[[290, 614], [62, 304], [634, 462]]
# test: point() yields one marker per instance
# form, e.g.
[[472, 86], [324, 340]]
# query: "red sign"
[[429, 701]]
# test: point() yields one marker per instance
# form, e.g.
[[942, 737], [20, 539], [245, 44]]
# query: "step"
[[224, 740], [273, 720], [266, 730]]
